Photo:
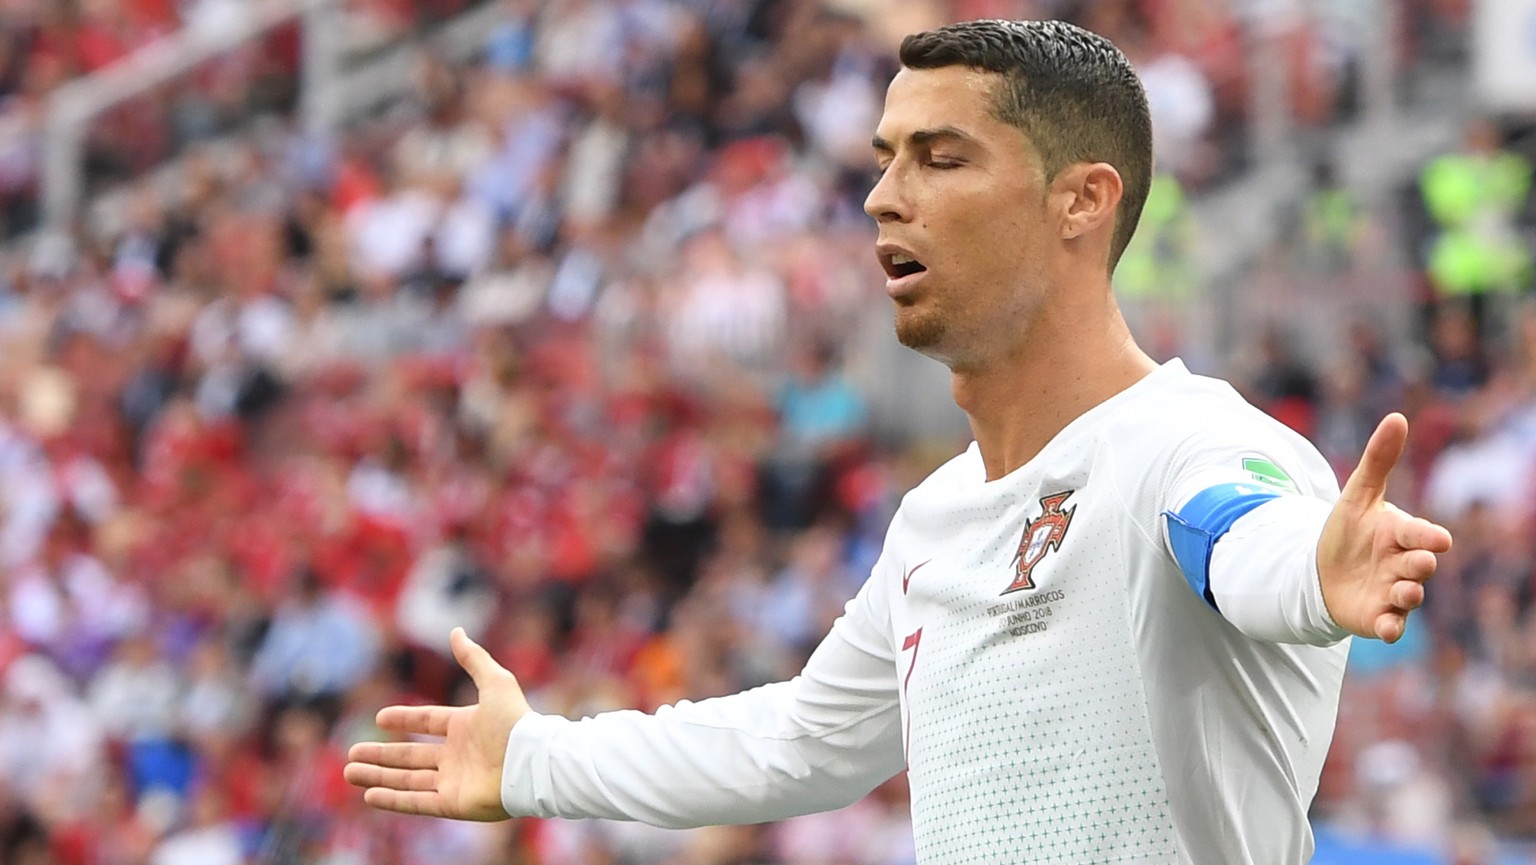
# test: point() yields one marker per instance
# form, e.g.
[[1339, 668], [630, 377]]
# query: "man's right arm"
[[817, 742]]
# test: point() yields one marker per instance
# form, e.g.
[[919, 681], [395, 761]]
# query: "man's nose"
[[886, 201]]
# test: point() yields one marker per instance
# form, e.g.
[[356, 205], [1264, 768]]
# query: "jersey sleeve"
[[817, 742], [1242, 506]]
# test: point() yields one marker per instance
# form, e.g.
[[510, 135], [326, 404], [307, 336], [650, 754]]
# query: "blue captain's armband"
[[1194, 530]]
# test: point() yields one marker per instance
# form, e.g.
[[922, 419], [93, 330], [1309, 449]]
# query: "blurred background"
[[326, 325]]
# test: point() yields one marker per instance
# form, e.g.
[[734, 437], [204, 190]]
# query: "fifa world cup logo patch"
[[1042, 535]]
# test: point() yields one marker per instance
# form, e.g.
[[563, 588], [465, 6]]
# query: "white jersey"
[[1062, 677]]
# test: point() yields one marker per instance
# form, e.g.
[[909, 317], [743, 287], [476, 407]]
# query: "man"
[[1113, 630]]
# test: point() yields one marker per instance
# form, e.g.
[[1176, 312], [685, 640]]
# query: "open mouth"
[[898, 266]]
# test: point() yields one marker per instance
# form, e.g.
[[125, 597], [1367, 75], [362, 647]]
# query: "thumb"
[[1368, 483], [476, 661]]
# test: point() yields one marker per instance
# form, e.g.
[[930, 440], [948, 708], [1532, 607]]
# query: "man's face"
[[962, 195]]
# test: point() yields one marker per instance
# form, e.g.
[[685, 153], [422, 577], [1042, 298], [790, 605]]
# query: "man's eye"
[[942, 164]]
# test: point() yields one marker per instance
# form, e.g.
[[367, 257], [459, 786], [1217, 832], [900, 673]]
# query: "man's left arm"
[[1291, 562]]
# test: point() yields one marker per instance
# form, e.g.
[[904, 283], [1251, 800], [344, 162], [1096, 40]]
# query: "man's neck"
[[1018, 403]]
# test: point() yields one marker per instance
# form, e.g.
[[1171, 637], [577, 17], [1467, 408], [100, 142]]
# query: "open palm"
[[1373, 558], [459, 777]]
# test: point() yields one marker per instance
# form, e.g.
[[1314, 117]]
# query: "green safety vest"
[[1331, 219], [1159, 261], [1473, 200]]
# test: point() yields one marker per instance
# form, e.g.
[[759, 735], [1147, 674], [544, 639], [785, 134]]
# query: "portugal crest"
[[1042, 535]]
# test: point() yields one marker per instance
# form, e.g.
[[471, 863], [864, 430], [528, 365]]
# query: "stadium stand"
[[568, 346]]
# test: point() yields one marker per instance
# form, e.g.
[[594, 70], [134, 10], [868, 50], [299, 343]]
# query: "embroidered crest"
[[1042, 535]]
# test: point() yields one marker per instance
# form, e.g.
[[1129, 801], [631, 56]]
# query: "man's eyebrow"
[[923, 137]]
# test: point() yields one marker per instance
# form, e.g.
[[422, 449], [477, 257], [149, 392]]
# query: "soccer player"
[[1113, 630]]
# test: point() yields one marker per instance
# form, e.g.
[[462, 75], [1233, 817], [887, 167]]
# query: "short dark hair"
[[1072, 92]]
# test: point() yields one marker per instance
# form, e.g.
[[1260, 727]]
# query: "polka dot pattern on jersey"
[[1029, 739]]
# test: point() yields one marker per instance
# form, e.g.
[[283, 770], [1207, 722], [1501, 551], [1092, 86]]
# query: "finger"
[[1417, 565], [1368, 483], [397, 755], [367, 775], [404, 802], [1421, 534], [1406, 595], [422, 720], [1390, 626], [476, 661]]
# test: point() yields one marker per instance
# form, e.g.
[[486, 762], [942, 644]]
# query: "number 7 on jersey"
[[912, 642]]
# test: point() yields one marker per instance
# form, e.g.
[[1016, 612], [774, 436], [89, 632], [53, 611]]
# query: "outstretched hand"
[[1373, 558], [459, 777]]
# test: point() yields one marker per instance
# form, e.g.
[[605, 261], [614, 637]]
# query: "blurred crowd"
[[556, 349], [45, 44], [1437, 735]]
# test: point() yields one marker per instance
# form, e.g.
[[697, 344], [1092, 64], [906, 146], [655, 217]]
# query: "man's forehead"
[[954, 97]]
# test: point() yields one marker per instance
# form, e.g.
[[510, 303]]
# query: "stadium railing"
[[330, 87]]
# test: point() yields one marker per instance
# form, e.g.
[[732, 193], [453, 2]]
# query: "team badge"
[[1042, 535]]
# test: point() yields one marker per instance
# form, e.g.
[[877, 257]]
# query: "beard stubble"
[[918, 329]]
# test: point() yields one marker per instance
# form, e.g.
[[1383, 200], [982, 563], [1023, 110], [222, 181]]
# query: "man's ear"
[[1089, 193]]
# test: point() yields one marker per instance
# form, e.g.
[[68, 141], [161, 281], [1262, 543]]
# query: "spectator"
[[318, 645], [50, 744], [1182, 106], [447, 586], [821, 419], [1285, 385], [1474, 198], [134, 695], [726, 310], [208, 839]]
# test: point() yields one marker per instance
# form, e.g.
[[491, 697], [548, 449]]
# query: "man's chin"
[[918, 332]]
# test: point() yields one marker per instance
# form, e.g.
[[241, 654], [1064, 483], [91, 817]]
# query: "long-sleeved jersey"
[[1117, 652]]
